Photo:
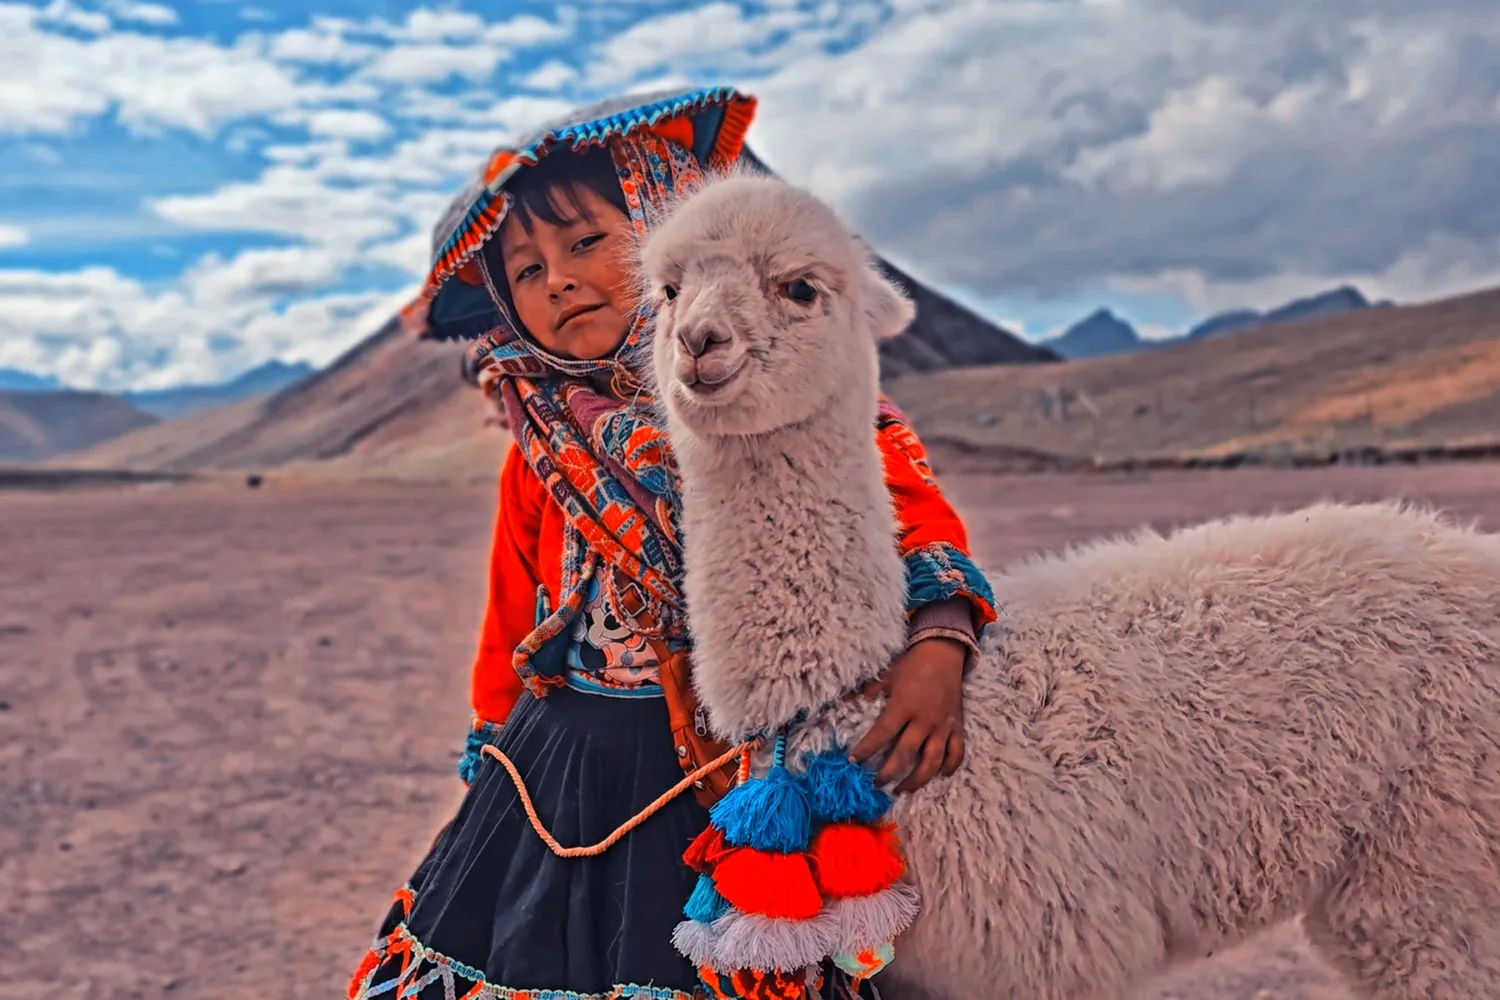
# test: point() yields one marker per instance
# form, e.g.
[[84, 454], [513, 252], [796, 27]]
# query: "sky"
[[191, 188]]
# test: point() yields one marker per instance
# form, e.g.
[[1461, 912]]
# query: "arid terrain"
[[1417, 376], [229, 717]]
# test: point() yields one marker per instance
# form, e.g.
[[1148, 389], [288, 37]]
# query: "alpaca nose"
[[697, 338]]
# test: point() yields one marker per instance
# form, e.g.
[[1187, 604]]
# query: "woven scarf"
[[591, 433]]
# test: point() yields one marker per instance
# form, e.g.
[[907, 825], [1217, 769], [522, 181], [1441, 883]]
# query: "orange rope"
[[630, 824]]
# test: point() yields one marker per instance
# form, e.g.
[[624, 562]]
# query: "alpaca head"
[[769, 308]]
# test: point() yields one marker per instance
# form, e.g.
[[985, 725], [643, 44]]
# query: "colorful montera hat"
[[711, 123]]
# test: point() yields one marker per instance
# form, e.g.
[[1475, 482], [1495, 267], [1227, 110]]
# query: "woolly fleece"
[[1172, 741]]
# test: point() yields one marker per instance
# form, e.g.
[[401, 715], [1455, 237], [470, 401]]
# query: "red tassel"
[[706, 850], [851, 859], [768, 884]]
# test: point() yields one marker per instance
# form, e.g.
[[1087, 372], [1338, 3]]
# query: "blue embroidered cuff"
[[940, 571]]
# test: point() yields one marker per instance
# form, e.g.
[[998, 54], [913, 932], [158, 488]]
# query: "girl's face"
[[569, 282]]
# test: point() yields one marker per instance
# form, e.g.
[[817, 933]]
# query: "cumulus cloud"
[[154, 14], [1214, 153], [550, 75], [1182, 146], [98, 329], [345, 123], [50, 81]]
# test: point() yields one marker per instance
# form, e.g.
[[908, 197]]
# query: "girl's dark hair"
[[546, 192]]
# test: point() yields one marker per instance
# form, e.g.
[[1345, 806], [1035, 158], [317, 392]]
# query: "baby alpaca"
[[1172, 742]]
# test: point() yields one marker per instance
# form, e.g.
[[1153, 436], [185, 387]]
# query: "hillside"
[[1397, 377], [391, 406], [181, 400], [396, 407], [947, 335], [36, 425]]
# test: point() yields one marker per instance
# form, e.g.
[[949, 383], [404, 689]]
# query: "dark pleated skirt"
[[492, 904]]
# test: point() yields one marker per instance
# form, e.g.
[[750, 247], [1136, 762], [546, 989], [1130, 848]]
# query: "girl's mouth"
[[570, 315]]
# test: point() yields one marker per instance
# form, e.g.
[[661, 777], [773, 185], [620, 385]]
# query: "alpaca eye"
[[669, 291], [800, 291]]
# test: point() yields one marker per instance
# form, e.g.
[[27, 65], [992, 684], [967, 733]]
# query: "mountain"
[[179, 401], [16, 380], [396, 407], [35, 425], [946, 335], [1410, 377], [1096, 335], [1343, 299], [392, 406]]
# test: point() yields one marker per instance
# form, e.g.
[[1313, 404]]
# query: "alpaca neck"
[[794, 585]]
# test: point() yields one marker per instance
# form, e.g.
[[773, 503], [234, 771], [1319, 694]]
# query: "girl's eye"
[[588, 241], [527, 272], [669, 292], [800, 291]]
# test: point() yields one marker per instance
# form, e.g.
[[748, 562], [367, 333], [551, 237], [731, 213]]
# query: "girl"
[[581, 678]]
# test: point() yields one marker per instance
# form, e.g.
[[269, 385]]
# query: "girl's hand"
[[921, 729]]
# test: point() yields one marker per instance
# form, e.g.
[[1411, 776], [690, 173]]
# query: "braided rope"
[[743, 751]]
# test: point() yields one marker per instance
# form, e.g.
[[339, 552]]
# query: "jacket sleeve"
[[932, 538], [510, 613]]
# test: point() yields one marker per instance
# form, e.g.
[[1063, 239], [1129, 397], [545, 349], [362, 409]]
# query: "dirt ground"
[[229, 717]]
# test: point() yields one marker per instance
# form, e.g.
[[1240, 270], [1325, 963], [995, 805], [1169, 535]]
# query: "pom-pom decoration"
[[793, 870], [770, 884], [705, 905], [771, 814], [706, 851], [843, 790], [849, 859]]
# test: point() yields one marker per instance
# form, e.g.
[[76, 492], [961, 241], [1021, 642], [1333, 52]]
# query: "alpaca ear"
[[887, 311]]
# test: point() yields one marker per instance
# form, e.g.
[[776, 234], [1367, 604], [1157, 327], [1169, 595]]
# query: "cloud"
[[1040, 148], [13, 236], [50, 81], [355, 125], [719, 37], [434, 46], [62, 13], [95, 328], [1030, 151], [153, 14], [549, 76]]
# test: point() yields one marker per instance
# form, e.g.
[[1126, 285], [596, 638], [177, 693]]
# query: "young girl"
[[581, 676]]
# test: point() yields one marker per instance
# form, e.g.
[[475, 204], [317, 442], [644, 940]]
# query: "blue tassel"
[[842, 790], [468, 764], [773, 813], [705, 905]]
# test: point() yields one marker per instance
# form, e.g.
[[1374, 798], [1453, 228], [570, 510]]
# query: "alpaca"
[[1172, 742]]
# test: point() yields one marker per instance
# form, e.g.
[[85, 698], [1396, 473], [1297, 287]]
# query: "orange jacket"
[[527, 557]]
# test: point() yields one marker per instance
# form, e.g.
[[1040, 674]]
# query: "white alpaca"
[[1172, 742]]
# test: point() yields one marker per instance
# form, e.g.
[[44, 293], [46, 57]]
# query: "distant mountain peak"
[[1343, 298], [1099, 333]]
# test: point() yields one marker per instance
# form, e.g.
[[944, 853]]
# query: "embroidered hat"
[[710, 123]]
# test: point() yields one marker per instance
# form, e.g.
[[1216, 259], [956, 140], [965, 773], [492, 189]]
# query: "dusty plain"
[[229, 717]]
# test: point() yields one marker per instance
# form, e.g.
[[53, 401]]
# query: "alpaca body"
[[1171, 742]]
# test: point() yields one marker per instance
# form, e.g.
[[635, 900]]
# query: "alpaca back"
[[1175, 739]]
